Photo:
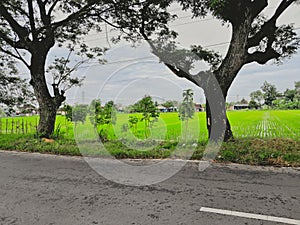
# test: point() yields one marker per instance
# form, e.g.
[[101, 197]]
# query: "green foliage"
[[290, 99], [290, 95], [212, 58], [283, 104], [57, 132], [286, 41], [253, 104], [297, 85], [62, 72], [270, 93], [133, 122], [94, 109], [103, 117], [256, 99], [149, 112], [169, 104], [15, 93], [68, 112]]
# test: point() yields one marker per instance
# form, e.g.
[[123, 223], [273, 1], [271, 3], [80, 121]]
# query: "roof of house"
[[241, 105]]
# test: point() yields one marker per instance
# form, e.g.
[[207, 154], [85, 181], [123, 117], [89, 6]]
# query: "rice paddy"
[[244, 124]]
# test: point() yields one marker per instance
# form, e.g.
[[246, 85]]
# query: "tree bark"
[[48, 105], [47, 112], [227, 133], [218, 120], [230, 67]]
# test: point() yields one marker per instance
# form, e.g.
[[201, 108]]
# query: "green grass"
[[262, 138], [29, 143]]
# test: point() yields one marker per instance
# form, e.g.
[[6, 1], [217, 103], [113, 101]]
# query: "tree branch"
[[281, 8], [77, 15], [51, 7], [18, 57], [177, 71], [63, 77], [44, 17], [21, 31], [109, 23], [12, 43], [262, 57], [259, 5], [182, 74], [266, 29], [22, 59], [19, 9], [31, 19], [269, 26]]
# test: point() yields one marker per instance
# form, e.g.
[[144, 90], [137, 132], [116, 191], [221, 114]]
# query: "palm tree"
[[186, 109]]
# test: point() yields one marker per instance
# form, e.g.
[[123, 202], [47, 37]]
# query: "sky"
[[131, 73]]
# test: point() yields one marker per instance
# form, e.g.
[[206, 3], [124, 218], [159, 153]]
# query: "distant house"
[[198, 107], [241, 106], [161, 108], [120, 109], [172, 109]]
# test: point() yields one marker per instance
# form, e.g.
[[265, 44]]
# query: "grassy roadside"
[[251, 151]]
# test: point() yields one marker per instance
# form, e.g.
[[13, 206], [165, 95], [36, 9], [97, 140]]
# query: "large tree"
[[254, 38], [270, 93], [31, 28]]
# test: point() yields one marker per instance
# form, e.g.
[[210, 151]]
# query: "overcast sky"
[[126, 82], [132, 73]]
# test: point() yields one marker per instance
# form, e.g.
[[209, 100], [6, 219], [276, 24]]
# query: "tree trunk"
[[47, 118], [225, 75], [228, 132], [48, 105], [218, 120]]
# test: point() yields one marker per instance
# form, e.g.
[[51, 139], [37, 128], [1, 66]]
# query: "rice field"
[[244, 124], [250, 124], [266, 124]]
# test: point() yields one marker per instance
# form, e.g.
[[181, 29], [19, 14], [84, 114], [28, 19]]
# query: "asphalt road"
[[43, 189]]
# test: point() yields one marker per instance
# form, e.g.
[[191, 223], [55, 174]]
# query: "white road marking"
[[250, 215]]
